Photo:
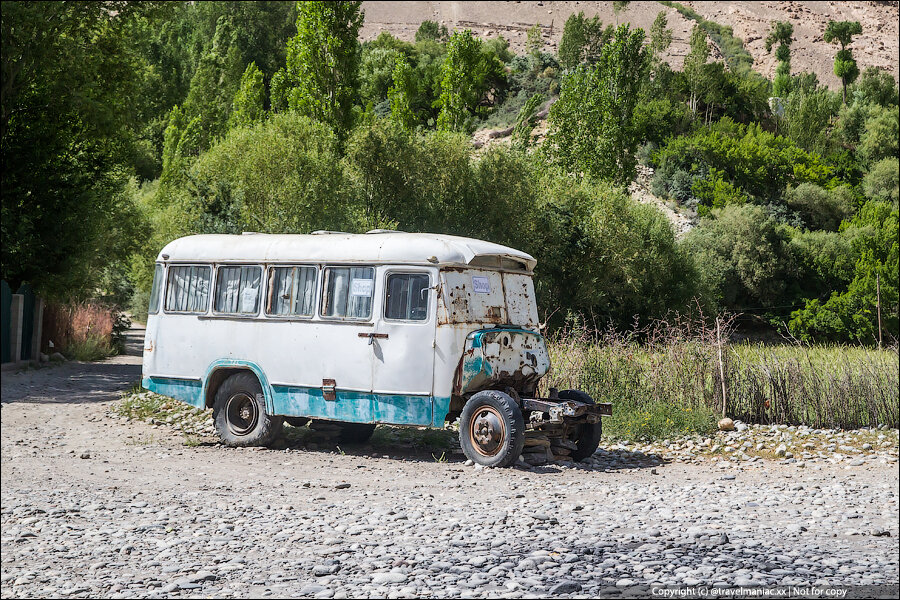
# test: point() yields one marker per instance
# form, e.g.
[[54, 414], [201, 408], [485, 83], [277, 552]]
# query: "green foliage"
[[526, 121], [323, 62], [845, 67], [743, 258], [715, 191], [879, 140], [875, 86], [660, 40], [737, 57], [694, 63], [283, 175], [755, 161], [467, 75], [821, 208], [402, 94], [605, 255], [582, 40], [852, 314], [782, 36], [249, 101], [881, 182], [808, 116], [534, 42], [658, 119], [67, 134], [592, 128], [431, 31]]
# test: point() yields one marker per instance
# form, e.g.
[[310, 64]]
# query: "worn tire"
[[356, 433], [239, 413], [492, 429], [587, 435]]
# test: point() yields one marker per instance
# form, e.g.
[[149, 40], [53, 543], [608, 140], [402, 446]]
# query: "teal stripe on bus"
[[189, 391], [361, 407], [297, 401]]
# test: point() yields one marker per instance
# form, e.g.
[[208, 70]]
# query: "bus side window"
[[188, 289], [292, 291], [155, 290], [348, 292], [237, 290]]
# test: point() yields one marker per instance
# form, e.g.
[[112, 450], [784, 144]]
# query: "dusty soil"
[[98, 506], [877, 46]]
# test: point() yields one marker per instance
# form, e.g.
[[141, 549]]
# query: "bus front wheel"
[[492, 429], [239, 413]]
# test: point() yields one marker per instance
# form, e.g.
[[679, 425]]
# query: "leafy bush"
[[880, 138], [752, 160], [743, 258], [881, 182], [282, 176], [821, 208], [852, 314]]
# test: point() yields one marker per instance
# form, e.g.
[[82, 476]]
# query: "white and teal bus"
[[359, 329]]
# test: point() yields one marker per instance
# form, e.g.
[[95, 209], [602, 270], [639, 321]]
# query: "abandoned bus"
[[358, 329]]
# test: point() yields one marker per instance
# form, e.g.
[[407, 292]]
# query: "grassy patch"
[[89, 348], [670, 380], [657, 421]]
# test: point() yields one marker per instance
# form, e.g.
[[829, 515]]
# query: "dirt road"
[[96, 506]]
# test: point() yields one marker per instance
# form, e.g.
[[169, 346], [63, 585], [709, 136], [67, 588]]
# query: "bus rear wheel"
[[239, 413]]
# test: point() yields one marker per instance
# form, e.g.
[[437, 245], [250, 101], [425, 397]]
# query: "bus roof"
[[377, 247]]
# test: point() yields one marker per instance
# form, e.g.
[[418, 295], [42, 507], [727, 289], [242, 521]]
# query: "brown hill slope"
[[877, 46]]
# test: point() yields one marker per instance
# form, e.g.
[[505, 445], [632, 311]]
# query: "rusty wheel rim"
[[487, 431], [242, 413]]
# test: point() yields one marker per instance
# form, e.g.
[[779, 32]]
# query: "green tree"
[[402, 94], [70, 77], [526, 121], [660, 40], [880, 134], [463, 76], [851, 315], [619, 7], [582, 40], [534, 41], [882, 182], [323, 62], [431, 31], [694, 63], [249, 101], [845, 67], [592, 128], [743, 258], [280, 176], [781, 36], [876, 86]]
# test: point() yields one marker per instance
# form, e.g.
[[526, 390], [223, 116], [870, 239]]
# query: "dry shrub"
[[80, 330]]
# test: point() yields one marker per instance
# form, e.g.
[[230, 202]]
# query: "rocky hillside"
[[877, 46]]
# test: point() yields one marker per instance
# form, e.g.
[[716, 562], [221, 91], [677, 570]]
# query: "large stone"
[[726, 424]]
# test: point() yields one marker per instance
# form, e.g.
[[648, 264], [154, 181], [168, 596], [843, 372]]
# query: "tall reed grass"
[[81, 330], [675, 370]]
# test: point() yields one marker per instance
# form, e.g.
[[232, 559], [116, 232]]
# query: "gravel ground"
[[94, 505]]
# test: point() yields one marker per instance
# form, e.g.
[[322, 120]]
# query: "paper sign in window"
[[248, 299], [361, 287], [481, 285]]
